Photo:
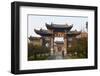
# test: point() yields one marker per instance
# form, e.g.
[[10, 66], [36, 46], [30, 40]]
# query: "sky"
[[38, 22]]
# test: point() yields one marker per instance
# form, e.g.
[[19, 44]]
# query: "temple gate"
[[57, 30]]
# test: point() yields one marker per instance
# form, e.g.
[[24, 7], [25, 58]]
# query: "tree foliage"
[[81, 48], [34, 50]]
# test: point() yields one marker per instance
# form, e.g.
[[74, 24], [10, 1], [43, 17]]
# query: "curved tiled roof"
[[59, 42], [58, 26], [73, 33], [43, 32]]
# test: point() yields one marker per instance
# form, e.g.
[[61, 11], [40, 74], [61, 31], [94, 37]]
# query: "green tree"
[[34, 50], [81, 48]]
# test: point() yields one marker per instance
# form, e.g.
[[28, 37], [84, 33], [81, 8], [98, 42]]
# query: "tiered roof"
[[57, 28]]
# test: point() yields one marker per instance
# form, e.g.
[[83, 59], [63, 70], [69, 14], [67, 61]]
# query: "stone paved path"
[[58, 57], [55, 57]]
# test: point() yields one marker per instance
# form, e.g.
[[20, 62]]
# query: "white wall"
[[5, 41]]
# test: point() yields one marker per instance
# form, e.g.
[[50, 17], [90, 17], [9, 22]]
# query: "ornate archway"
[[56, 30]]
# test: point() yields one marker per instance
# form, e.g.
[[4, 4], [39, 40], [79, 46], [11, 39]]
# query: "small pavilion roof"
[[59, 42], [73, 33], [31, 38], [43, 32]]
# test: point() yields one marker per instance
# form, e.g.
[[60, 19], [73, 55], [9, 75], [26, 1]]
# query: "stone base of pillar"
[[65, 52], [51, 53]]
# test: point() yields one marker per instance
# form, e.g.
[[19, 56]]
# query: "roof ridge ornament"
[[51, 23]]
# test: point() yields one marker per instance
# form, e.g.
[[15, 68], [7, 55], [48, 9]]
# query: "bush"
[[34, 51], [80, 50]]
